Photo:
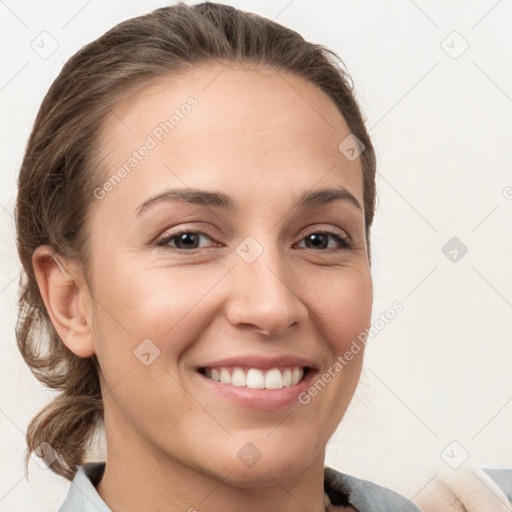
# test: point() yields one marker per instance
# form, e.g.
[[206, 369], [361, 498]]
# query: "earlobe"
[[64, 299]]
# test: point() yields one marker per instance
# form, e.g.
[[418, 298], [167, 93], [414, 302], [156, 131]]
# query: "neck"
[[137, 478]]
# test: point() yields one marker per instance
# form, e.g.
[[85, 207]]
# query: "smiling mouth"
[[255, 378]]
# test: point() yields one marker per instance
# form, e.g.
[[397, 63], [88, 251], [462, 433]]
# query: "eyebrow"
[[308, 199]]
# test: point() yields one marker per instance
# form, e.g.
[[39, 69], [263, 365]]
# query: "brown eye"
[[183, 240], [320, 240]]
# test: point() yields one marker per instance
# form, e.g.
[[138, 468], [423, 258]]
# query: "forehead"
[[250, 126]]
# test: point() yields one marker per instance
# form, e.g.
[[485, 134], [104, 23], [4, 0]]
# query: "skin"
[[264, 138]]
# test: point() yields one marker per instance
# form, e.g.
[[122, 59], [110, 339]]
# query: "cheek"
[[147, 320], [342, 305], [162, 305], [341, 310]]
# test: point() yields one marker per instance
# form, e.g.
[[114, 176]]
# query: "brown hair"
[[56, 180]]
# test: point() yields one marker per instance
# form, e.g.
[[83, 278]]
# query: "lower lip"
[[265, 399]]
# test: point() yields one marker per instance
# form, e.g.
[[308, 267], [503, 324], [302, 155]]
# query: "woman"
[[218, 371]]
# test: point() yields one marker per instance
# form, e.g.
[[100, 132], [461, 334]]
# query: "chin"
[[260, 468]]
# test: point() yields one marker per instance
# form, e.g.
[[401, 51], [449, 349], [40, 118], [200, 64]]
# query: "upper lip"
[[259, 361]]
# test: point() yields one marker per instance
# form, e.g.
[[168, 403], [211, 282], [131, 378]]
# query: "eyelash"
[[344, 241]]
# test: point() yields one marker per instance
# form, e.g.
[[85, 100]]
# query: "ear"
[[66, 299]]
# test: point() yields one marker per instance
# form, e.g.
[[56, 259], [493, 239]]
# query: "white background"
[[442, 127]]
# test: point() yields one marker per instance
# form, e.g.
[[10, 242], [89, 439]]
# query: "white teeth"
[[273, 379], [297, 375], [255, 378], [225, 377], [238, 378]]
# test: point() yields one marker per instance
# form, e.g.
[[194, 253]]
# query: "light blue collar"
[[82, 495]]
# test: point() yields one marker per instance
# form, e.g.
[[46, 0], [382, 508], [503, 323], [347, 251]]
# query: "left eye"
[[189, 240], [317, 240]]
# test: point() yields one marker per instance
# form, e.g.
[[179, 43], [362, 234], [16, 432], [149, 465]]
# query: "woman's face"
[[263, 282]]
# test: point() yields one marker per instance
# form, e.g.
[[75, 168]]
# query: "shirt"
[[342, 489]]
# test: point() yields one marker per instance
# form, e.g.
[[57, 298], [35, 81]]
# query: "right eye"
[[184, 240]]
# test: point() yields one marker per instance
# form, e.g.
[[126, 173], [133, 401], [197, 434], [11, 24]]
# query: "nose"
[[264, 294]]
